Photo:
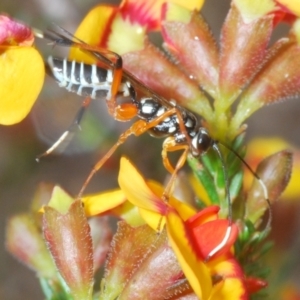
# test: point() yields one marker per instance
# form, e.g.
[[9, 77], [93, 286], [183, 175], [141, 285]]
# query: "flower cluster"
[[165, 248]]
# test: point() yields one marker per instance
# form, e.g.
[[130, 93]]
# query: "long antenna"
[[262, 184]]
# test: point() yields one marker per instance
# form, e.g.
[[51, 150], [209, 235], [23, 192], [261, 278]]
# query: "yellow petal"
[[137, 190], [224, 266], [184, 210], [21, 80], [93, 30], [229, 289], [194, 269], [296, 30], [154, 220], [232, 286], [147, 196], [99, 203], [115, 203]]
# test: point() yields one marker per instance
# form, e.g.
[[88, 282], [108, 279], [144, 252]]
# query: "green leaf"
[[236, 184], [205, 178]]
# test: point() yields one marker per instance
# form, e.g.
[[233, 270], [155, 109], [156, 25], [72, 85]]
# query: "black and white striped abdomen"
[[83, 79]]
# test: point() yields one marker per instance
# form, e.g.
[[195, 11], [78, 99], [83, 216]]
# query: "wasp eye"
[[201, 142]]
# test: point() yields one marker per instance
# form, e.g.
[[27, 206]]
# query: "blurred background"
[[54, 111]]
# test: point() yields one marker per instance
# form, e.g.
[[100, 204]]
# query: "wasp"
[[159, 117]]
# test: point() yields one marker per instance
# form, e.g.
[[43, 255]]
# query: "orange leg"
[[136, 129], [127, 111], [114, 61], [170, 146]]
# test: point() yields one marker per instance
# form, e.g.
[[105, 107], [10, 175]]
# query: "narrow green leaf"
[[205, 178]]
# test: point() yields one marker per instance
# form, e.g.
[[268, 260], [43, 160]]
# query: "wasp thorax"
[[201, 142]]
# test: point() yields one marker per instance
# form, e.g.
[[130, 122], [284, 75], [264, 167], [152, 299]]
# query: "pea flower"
[[23, 71], [193, 236]]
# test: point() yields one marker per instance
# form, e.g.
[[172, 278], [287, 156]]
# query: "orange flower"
[[194, 236], [22, 70]]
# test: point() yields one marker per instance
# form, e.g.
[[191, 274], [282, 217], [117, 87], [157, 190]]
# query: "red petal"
[[210, 235], [207, 214], [148, 13], [283, 16], [14, 33], [145, 13]]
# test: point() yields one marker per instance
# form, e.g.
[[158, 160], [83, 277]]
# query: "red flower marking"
[[14, 33], [207, 232]]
